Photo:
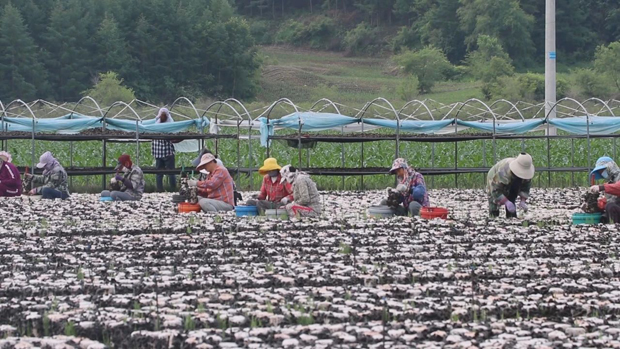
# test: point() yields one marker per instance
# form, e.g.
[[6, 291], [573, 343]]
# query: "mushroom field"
[[82, 273]]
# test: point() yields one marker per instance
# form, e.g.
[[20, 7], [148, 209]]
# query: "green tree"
[[488, 63], [503, 19], [591, 83], [109, 89], [607, 61], [23, 75], [112, 48], [439, 26], [429, 65]]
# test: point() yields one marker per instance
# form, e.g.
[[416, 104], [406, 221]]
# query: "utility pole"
[[550, 84]]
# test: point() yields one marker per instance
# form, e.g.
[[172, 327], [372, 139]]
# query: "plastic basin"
[[106, 198], [586, 218], [382, 211], [276, 213], [186, 207], [242, 211], [433, 212]]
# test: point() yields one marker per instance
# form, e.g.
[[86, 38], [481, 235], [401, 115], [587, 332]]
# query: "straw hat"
[[207, 158], [269, 165], [522, 166]]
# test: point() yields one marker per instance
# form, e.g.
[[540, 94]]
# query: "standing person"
[[508, 179], [52, 184], [607, 169], [131, 182], [10, 179], [163, 152], [306, 197], [411, 186], [274, 192], [216, 191]]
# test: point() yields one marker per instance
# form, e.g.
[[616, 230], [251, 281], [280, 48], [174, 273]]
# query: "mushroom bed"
[[84, 273]]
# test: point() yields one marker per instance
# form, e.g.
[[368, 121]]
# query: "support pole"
[[550, 79]]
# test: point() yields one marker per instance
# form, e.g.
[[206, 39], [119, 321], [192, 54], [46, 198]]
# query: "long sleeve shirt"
[[306, 194], [133, 182], [218, 186], [10, 178], [499, 180], [275, 191], [56, 178], [412, 180]]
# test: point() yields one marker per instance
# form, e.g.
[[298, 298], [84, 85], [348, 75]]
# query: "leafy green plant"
[[70, 329]]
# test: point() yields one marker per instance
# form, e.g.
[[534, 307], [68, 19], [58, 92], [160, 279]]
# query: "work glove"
[[523, 205], [28, 175], [510, 207], [401, 188], [284, 201], [33, 191], [119, 178], [192, 183], [595, 189]]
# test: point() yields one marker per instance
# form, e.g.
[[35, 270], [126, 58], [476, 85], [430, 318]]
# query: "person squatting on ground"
[[163, 152], [508, 179], [130, 184], [204, 173], [10, 179], [52, 184], [216, 191], [412, 189], [274, 192], [607, 169], [306, 198]]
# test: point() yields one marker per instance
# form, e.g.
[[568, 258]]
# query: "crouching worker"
[[10, 179], [508, 180], [411, 189], [215, 193], [274, 192], [130, 184], [306, 198], [52, 184], [607, 169]]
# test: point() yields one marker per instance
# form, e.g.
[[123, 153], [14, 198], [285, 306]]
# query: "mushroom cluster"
[[91, 274]]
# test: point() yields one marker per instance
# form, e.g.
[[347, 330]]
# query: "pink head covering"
[[5, 156]]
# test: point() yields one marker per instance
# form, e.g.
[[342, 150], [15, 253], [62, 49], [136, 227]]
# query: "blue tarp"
[[74, 123], [599, 125], [311, 121], [517, 127], [415, 126]]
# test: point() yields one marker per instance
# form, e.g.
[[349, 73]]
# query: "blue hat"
[[601, 164]]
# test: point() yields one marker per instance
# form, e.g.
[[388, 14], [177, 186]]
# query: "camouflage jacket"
[[499, 179], [55, 178]]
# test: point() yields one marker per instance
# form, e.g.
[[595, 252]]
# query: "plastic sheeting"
[[516, 127], [598, 125], [74, 123], [310, 121], [415, 126]]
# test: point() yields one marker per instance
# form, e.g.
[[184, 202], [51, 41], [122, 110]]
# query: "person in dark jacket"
[[10, 179]]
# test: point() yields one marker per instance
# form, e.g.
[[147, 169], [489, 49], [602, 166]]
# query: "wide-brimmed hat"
[[398, 163], [270, 164], [601, 164], [522, 166], [205, 159]]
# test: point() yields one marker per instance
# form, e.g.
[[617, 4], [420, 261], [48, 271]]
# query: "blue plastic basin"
[[586, 218], [105, 198], [246, 211]]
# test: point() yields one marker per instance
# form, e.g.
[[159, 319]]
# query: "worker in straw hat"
[[216, 192], [607, 169], [274, 192], [10, 179], [509, 179], [52, 184], [411, 189], [131, 181], [306, 197]]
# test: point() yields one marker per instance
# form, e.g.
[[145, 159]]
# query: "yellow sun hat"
[[270, 164]]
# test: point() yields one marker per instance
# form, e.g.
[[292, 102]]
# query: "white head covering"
[[5, 156], [288, 175], [167, 112]]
